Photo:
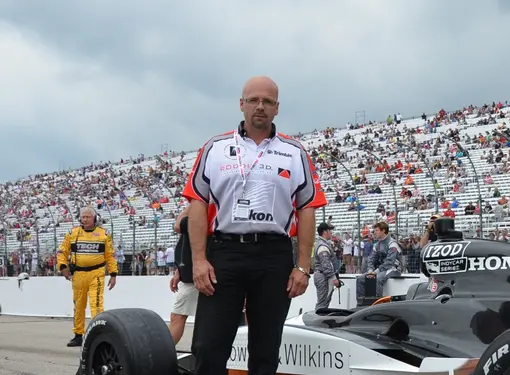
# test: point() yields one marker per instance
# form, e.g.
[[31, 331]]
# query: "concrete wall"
[[52, 296]]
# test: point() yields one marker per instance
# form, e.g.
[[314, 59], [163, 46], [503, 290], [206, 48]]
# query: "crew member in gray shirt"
[[384, 262], [325, 276]]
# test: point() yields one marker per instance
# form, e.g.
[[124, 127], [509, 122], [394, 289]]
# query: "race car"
[[458, 323]]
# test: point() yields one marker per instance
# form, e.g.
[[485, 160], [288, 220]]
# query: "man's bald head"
[[260, 83], [259, 104]]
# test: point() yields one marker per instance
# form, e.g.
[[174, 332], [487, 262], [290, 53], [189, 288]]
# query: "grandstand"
[[138, 199]]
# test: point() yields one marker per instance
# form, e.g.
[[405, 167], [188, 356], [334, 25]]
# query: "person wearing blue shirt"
[[368, 246], [455, 203]]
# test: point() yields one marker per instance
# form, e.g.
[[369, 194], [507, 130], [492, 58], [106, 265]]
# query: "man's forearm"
[[177, 225], [306, 235], [197, 229], [424, 240]]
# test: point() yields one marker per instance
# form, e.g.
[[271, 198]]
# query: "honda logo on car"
[[491, 263], [496, 356]]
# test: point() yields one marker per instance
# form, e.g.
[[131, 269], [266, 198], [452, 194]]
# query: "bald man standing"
[[250, 191]]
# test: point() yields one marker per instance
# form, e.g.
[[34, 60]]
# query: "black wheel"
[[128, 342], [496, 358]]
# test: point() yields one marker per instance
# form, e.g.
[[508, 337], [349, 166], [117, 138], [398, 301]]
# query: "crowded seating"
[[389, 170]]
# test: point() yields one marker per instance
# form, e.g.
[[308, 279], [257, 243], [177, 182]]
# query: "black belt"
[[89, 268], [249, 237]]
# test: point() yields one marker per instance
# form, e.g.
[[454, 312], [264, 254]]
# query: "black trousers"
[[260, 272]]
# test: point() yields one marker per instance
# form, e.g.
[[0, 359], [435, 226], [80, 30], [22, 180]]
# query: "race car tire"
[[496, 358], [136, 340]]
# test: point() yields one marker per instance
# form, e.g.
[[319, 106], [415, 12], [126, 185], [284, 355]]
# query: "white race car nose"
[[296, 321]]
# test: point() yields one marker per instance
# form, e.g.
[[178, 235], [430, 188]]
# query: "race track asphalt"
[[37, 346]]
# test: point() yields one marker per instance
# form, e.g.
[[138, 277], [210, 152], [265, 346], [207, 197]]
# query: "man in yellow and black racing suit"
[[82, 257]]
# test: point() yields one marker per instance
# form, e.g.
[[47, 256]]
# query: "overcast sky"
[[93, 80]]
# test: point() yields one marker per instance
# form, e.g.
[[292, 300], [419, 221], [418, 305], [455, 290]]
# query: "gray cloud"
[[96, 80]]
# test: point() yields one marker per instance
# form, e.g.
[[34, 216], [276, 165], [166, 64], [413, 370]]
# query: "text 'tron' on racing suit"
[[324, 272], [88, 251], [385, 261]]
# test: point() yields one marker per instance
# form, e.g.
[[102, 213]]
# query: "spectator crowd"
[[399, 170]]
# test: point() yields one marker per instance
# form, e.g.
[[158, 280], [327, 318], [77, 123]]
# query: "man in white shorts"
[[182, 281], [161, 261]]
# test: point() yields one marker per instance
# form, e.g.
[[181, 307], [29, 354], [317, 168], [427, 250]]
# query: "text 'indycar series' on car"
[[455, 323]]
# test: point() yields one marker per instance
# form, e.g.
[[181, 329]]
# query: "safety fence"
[[145, 263]]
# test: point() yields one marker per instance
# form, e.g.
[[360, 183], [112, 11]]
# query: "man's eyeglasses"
[[256, 101]]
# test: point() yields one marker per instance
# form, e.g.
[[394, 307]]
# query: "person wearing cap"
[[326, 275]]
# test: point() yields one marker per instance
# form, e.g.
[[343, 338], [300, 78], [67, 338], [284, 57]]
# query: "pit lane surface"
[[37, 346]]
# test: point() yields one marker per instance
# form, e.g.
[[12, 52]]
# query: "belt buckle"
[[242, 240]]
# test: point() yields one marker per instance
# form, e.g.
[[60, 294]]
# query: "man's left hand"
[[174, 282], [112, 282], [298, 282]]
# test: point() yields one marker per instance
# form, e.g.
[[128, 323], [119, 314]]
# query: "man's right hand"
[[336, 283], [204, 277], [65, 272]]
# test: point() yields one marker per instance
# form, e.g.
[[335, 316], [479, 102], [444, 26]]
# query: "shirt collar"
[[323, 239], [242, 131], [387, 239]]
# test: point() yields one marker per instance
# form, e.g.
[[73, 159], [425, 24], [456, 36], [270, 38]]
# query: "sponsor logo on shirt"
[[279, 153], [88, 247], [261, 195], [230, 151], [258, 216], [227, 169], [285, 173]]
